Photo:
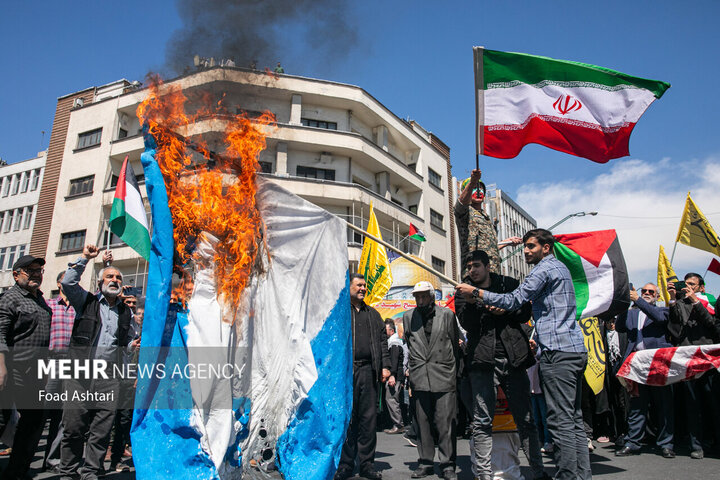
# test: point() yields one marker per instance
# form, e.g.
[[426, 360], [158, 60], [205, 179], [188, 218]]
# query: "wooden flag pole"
[[403, 254]]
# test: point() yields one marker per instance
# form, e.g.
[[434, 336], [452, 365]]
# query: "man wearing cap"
[[24, 328], [100, 332], [432, 336], [498, 352], [475, 227], [371, 365], [563, 359]]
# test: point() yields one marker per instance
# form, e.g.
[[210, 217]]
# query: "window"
[[413, 209], [17, 219], [122, 133], [115, 241], [2, 258], [80, 186], [436, 220], [434, 178], [396, 201], [72, 241], [11, 258], [265, 167], [21, 250], [15, 184], [88, 139], [438, 264], [319, 124], [114, 179], [8, 220], [310, 172], [6, 186], [28, 216], [24, 181], [35, 180], [412, 166]]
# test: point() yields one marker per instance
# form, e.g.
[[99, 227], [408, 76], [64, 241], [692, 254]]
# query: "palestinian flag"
[[598, 270], [416, 233], [128, 219], [576, 108]]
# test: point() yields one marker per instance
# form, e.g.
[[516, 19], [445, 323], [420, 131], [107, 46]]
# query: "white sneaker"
[[591, 447], [549, 447]]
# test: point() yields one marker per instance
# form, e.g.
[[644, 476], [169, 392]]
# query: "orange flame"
[[198, 199]]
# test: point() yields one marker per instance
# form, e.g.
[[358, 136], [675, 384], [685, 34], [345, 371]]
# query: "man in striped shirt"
[[562, 363], [63, 317]]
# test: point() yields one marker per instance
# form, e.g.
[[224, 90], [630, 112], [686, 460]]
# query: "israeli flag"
[[288, 401]]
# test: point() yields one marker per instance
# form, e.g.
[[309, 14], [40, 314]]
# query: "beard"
[[111, 290]]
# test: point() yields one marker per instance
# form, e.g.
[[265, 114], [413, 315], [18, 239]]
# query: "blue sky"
[[416, 58]]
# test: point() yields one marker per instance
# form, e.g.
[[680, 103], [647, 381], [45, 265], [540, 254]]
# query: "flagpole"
[[673, 254], [403, 254], [479, 103]]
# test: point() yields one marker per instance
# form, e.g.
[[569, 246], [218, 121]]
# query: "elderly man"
[[24, 328], [646, 328], [371, 364], [100, 332], [432, 336], [498, 352], [691, 323], [563, 359]]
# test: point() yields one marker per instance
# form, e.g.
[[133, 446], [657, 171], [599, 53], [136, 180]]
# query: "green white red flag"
[[128, 219], [576, 108], [598, 271]]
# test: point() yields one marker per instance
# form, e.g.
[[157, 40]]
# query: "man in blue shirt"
[[562, 363]]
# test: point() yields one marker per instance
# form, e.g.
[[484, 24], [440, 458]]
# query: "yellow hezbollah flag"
[[696, 231], [665, 274], [374, 264], [595, 370]]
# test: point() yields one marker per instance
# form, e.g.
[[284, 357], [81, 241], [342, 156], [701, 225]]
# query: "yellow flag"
[[595, 370], [696, 231], [374, 264], [665, 274]]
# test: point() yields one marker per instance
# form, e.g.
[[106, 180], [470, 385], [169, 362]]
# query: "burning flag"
[[269, 299], [127, 218]]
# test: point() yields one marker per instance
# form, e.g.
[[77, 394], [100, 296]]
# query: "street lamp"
[[566, 218]]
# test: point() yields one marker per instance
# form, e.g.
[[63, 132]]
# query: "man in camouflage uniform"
[[475, 227]]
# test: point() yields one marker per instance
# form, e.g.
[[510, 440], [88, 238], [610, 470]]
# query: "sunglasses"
[[646, 290]]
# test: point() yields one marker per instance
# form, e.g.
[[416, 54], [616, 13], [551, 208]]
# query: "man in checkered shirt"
[[24, 338]]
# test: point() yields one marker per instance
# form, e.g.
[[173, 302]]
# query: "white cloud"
[[643, 201]]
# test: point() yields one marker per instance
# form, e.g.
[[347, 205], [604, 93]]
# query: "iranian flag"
[[576, 108], [598, 271], [708, 301], [128, 219]]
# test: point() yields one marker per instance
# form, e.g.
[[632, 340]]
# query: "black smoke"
[[302, 34]]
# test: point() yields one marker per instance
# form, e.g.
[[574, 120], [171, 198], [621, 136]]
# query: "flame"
[[198, 198]]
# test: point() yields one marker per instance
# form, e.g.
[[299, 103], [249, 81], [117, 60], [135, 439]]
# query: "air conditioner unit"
[[78, 102]]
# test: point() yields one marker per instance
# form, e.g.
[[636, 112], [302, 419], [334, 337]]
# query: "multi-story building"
[[19, 193], [334, 144], [511, 220]]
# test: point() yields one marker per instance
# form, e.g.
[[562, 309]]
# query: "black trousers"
[[701, 407], [81, 419], [22, 390], [361, 440], [123, 421]]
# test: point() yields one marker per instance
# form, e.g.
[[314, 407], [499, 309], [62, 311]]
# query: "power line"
[[650, 218]]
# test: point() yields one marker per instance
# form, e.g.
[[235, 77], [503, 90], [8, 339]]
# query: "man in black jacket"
[[371, 364], [498, 350], [691, 324]]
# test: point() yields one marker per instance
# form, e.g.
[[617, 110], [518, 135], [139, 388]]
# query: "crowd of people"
[[454, 363], [438, 370], [76, 325]]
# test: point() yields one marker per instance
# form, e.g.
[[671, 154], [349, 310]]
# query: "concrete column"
[[281, 165], [296, 110], [383, 182], [381, 136]]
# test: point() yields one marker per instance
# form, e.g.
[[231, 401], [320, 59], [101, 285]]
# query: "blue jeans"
[[561, 375], [539, 408]]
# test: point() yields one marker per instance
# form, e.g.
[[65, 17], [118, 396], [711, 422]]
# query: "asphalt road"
[[396, 459]]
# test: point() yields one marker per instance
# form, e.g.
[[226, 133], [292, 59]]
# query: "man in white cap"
[[432, 337]]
